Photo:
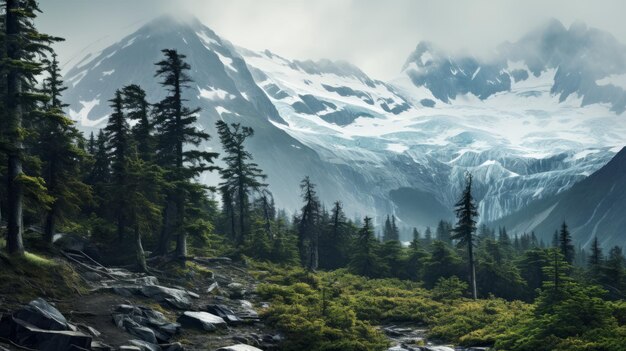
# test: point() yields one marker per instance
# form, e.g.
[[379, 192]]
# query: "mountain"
[[593, 207], [401, 146], [223, 87]]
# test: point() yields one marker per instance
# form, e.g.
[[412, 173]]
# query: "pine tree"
[[387, 229], [91, 144], [142, 191], [240, 175], [395, 232], [308, 229], [117, 133], [100, 172], [466, 213], [613, 275], [335, 240], [175, 131], [57, 145], [23, 46], [415, 260], [428, 237], [443, 232], [365, 260], [137, 109], [565, 244]]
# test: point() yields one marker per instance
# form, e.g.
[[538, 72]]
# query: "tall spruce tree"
[[117, 132], [175, 132], [565, 244], [466, 213], [365, 260], [308, 228], [57, 146], [137, 109], [240, 175], [335, 240], [23, 46]]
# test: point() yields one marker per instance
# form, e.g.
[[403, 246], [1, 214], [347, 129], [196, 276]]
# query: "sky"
[[375, 35]]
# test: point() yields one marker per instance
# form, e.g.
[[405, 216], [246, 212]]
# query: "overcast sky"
[[376, 35]]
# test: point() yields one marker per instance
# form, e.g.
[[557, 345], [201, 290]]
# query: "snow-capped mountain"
[[591, 208], [523, 128]]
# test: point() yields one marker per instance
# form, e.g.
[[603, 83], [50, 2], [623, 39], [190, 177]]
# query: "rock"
[[145, 346], [236, 290], [226, 313], [90, 330], [175, 297], [140, 331], [136, 319], [212, 287], [239, 347], [203, 320], [41, 314], [99, 346], [129, 348], [30, 336]]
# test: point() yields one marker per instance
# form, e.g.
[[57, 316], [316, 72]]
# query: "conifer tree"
[[240, 175], [175, 132], [416, 257], [138, 109], [428, 237], [395, 232], [387, 229], [23, 46], [335, 240], [117, 133], [308, 229], [565, 244], [57, 146], [443, 232], [466, 213], [91, 144], [365, 260]]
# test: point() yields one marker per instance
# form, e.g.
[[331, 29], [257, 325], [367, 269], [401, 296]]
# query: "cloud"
[[375, 35]]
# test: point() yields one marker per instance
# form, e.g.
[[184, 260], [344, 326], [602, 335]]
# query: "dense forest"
[[133, 189]]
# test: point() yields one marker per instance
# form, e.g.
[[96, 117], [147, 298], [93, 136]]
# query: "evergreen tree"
[[308, 228], [142, 189], [335, 240], [118, 142], [442, 263], [466, 213], [387, 230], [565, 244], [428, 237], [23, 46], [100, 172], [57, 146], [137, 109], [443, 232], [240, 175], [91, 144], [414, 265], [365, 260], [613, 275], [175, 131], [395, 232], [596, 257]]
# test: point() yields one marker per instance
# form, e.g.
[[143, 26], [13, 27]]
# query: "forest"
[[133, 189]]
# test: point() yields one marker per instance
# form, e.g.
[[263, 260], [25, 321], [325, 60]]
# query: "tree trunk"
[[472, 270], [50, 225], [141, 256], [181, 242], [242, 196], [14, 113], [166, 231]]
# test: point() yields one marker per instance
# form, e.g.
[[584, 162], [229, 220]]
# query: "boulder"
[[28, 335], [41, 314], [202, 320], [177, 298], [100, 346], [145, 346], [226, 313], [239, 347], [145, 323]]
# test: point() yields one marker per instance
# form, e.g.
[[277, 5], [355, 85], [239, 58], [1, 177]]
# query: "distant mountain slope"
[[587, 63], [380, 147], [593, 207]]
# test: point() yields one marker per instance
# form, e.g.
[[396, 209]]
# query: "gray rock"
[[129, 348], [226, 313], [239, 347], [202, 320], [177, 298], [145, 346], [176, 346], [212, 287], [140, 331], [100, 346], [41, 314], [30, 336]]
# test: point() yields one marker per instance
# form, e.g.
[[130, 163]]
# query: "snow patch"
[[398, 148], [82, 116], [108, 73], [215, 94], [618, 80]]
